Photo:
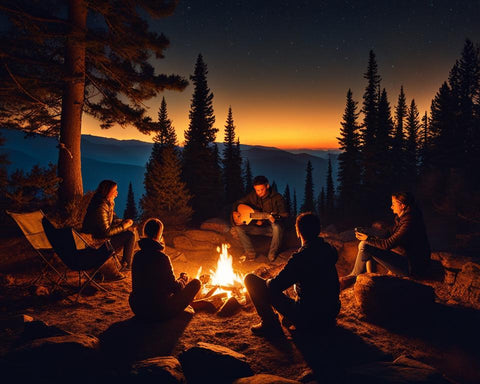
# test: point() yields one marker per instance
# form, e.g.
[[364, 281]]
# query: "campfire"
[[222, 290]]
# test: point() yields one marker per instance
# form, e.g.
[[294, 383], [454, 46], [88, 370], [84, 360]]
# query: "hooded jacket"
[[153, 280], [312, 270]]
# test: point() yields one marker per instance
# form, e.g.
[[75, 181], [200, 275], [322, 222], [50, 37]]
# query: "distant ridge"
[[124, 161]]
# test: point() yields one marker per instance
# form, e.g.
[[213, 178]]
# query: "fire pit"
[[222, 290]]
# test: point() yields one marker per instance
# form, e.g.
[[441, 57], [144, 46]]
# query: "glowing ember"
[[224, 277]]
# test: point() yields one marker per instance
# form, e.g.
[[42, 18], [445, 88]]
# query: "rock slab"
[[392, 300], [210, 363], [264, 378], [164, 369]]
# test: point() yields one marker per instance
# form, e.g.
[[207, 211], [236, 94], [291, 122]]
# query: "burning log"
[[229, 308], [210, 305]]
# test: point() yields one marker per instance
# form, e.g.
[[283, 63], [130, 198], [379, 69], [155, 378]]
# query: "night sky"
[[285, 66]]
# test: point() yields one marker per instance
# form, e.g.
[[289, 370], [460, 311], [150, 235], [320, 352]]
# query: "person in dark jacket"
[[313, 273], [156, 293], [405, 252], [101, 222], [262, 199]]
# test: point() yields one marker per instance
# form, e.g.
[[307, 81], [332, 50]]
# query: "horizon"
[[286, 76]]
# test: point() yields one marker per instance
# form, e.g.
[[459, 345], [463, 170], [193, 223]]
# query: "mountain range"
[[124, 161]]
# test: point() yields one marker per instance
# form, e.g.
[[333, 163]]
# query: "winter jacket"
[[409, 239], [100, 219], [312, 270], [273, 202], [153, 280]]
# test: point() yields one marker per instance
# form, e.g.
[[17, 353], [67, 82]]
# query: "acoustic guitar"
[[245, 214]]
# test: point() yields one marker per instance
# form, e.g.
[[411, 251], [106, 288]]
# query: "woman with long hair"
[[101, 221]]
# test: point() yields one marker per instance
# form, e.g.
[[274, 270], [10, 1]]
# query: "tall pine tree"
[[201, 169], [385, 166], [248, 177], [288, 201], [349, 161], [294, 204], [57, 66], [232, 163], [131, 209], [330, 194], [308, 201], [411, 145], [398, 139]]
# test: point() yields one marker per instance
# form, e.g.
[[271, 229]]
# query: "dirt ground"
[[449, 342]]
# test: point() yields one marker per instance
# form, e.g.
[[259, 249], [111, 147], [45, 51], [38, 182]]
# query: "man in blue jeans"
[[262, 199]]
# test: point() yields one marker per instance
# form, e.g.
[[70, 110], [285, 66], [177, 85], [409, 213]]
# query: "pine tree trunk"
[[69, 160]]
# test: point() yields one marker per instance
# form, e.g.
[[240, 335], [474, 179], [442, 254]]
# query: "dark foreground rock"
[[402, 370], [209, 363], [264, 378], [392, 300], [165, 370]]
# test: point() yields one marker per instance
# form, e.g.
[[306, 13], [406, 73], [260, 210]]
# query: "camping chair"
[[67, 244]]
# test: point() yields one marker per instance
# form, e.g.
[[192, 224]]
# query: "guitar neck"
[[259, 215]]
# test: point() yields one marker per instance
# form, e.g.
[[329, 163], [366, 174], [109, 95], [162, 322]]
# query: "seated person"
[[101, 221], [312, 270], [156, 294], [406, 252], [262, 199]]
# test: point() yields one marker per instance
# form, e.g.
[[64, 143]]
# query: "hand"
[[127, 223], [183, 277], [361, 236]]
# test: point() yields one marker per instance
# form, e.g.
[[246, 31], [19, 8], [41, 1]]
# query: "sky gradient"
[[285, 66]]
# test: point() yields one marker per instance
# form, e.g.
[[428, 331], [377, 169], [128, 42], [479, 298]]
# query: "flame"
[[224, 275]]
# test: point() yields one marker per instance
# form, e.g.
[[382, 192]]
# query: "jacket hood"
[[147, 244]]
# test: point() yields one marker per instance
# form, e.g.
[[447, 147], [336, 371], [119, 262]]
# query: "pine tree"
[[56, 65], [308, 203], [248, 177], [201, 169], [294, 205], [288, 201], [330, 194], [398, 139], [369, 128], [321, 206], [168, 197], [232, 163], [385, 167], [411, 150], [424, 144], [165, 132], [274, 186], [131, 209], [349, 161]]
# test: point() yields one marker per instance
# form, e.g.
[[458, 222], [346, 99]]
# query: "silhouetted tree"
[[294, 204], [349, 161], [201, 169], [248, 177], [385, 167], [168, 197], [369, 128], [330, 194], [424, 144], [308, 203], [131, 209], [288, 201], [398, 141], [165, 132], [321, 206], [55, 66], [411, 142], [232, 163], [274, 186]]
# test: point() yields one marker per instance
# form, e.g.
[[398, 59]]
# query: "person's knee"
[[362, 245], [195, 284], [250, 280]]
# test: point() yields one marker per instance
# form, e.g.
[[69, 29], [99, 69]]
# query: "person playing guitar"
[[250, 213]]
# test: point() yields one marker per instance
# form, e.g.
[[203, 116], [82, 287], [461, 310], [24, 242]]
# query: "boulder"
[[209, 363], [216, 225], [39, 330], [195, 239], [392, 300], [466, 288], [58, 356], [402, 370], [15, 322], [141, 339], [164, 369], [264, 378]]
